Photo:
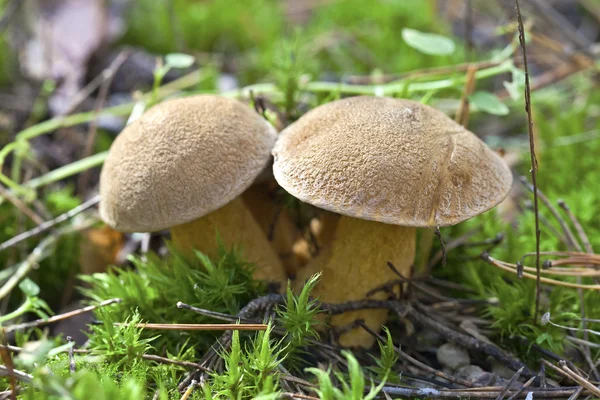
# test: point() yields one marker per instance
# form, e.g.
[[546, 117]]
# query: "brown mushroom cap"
[[389, 160], [180, 160]]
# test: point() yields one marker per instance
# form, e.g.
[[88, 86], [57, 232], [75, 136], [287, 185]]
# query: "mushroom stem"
[[355, 264], [236, 227], [324, 229], [276, 224]]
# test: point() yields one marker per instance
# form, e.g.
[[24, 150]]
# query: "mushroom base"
[[355, 264], [236, 227]]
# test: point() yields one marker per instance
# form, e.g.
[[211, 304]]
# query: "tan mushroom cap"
[[389, 160], [181, 160]]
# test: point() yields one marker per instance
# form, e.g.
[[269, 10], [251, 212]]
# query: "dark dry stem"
[[71, 355], [443, 248], [10, 368], [534, 164]]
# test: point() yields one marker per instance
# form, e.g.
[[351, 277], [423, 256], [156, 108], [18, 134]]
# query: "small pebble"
[[453, 357], [470, 373], [502, 371]]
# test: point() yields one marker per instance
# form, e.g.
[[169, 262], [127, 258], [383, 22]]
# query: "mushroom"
[[388, 166], [183, 166]]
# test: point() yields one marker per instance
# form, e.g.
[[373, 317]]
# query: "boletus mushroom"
[[387, 166], [183, 166]]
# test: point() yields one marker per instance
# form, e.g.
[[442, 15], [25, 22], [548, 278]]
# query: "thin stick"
[[22, 376], [568, 373], [442, 246], [72, 365], [27, 265], [20, 205], [462, 114], [510, 383], [60, 317], [503, 265], [522, 389], [189, 390], [107, 77], [164, 360], [51, 223], [199, 327], [534, 164], [8, 361], [469, 29], [578, 228]]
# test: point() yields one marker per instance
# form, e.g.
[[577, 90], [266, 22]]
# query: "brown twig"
[[514, 268], [534, 164], [462, 114], [578, 228], [469, 29], [10, 368], [198, 327]]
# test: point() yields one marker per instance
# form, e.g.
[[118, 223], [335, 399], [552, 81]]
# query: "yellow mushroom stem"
[[324, 228], [275, 221], [237, 228], [356, 263]]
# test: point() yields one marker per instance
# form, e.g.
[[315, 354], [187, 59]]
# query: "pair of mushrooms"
[[388, 166]]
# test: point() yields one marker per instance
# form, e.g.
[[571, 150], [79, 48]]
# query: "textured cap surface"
[[180, 160], [389, 160]]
